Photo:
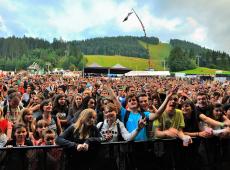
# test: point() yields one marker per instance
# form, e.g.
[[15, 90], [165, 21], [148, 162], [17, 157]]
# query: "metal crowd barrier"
[[164, 154]]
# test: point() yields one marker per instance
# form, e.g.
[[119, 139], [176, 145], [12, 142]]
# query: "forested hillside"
[[203, 57], [19, 53], [126, 46]]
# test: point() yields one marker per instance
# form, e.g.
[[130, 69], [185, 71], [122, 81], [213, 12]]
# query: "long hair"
[[74, 107], [21, 120], [80, 125], [56, 105]]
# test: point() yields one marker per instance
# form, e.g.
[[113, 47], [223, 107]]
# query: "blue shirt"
[[132, 124]]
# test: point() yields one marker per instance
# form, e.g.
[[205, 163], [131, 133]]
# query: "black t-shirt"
[[13, 143], [207, 111]]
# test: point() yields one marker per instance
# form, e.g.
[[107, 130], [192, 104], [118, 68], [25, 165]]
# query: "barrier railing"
[[166, 154]]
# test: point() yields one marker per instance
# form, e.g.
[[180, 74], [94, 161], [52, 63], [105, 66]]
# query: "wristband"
[[222, 124]]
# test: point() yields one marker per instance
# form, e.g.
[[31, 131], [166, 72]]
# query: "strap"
[[101, 126], [119, 136], [127, 113]]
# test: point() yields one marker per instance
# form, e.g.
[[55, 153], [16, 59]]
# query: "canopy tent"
[[148, 73], [96, 68]]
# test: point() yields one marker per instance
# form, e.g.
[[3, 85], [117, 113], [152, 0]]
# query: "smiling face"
[[186, 109], [202, 101], [20, 134], [48, 107], [132, 103], [217, 112], [110, 115], [143, 102], [61, 101]]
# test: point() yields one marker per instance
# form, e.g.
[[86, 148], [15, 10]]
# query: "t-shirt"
[[165, 121], [132, 123]]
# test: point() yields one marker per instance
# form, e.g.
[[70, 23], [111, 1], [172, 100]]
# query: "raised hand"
[[141, 123]]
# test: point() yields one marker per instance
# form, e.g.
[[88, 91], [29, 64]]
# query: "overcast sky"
[[205, 22]]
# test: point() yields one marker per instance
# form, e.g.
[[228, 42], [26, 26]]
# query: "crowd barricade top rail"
[[212, 153]]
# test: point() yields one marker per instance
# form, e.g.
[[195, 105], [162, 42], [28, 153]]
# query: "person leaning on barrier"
[[131, 116], [204, 112], [112, 129], [171, 123], [82, 134], [191, 121]]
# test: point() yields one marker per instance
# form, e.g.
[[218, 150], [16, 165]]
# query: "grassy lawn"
[[108, 61], [158, 53], [203, 70]]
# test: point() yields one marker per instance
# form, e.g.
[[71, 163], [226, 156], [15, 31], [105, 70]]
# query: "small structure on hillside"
[[33, 68]]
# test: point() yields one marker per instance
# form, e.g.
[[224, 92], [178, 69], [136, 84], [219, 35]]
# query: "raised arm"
[[159, 112]]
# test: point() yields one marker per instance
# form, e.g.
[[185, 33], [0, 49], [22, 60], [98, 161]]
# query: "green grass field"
[[203, 70], [157, 52], [108, 61]]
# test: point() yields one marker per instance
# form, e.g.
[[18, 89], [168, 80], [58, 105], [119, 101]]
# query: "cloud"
[[3, 29], [201, 21]]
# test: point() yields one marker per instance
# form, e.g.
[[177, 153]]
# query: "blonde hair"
[[1, 113], [80, 126], [21, 119]]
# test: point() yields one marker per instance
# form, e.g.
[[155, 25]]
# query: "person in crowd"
[[35, 106], [112, 129], [52, 120], [3, 138], [48, 137], [132, 115], [227, 110], [171, 123], [61, 108], [87, 102], [41, 125], [83, 136], [26, 96], [20, 137], [26, 118], [204, 112], [12, 109], [80, 135], [75, 105], [5, 125], [191, 121]]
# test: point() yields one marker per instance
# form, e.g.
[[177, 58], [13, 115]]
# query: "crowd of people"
[[79, 113]]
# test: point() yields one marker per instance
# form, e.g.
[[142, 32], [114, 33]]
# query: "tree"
[[179, 60]]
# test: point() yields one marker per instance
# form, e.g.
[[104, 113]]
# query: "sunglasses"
[[132, 100]]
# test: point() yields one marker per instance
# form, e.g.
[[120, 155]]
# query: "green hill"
[[204, 70], [108, 61], [157, 52]]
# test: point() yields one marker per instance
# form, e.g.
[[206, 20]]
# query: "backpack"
[[119, 136], [127, 113]]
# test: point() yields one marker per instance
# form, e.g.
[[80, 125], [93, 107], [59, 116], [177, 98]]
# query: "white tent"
[[148, 73]]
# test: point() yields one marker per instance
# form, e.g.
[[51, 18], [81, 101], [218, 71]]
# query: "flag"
[[127, 16]]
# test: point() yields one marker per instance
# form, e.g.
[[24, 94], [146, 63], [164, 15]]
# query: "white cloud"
[[3, 27]]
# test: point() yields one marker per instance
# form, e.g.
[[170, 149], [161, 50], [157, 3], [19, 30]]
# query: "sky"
[[204, 22]]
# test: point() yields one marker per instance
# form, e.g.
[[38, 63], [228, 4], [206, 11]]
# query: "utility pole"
[[198, 60]]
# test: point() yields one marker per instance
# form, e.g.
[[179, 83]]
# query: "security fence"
[[167, 154]]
